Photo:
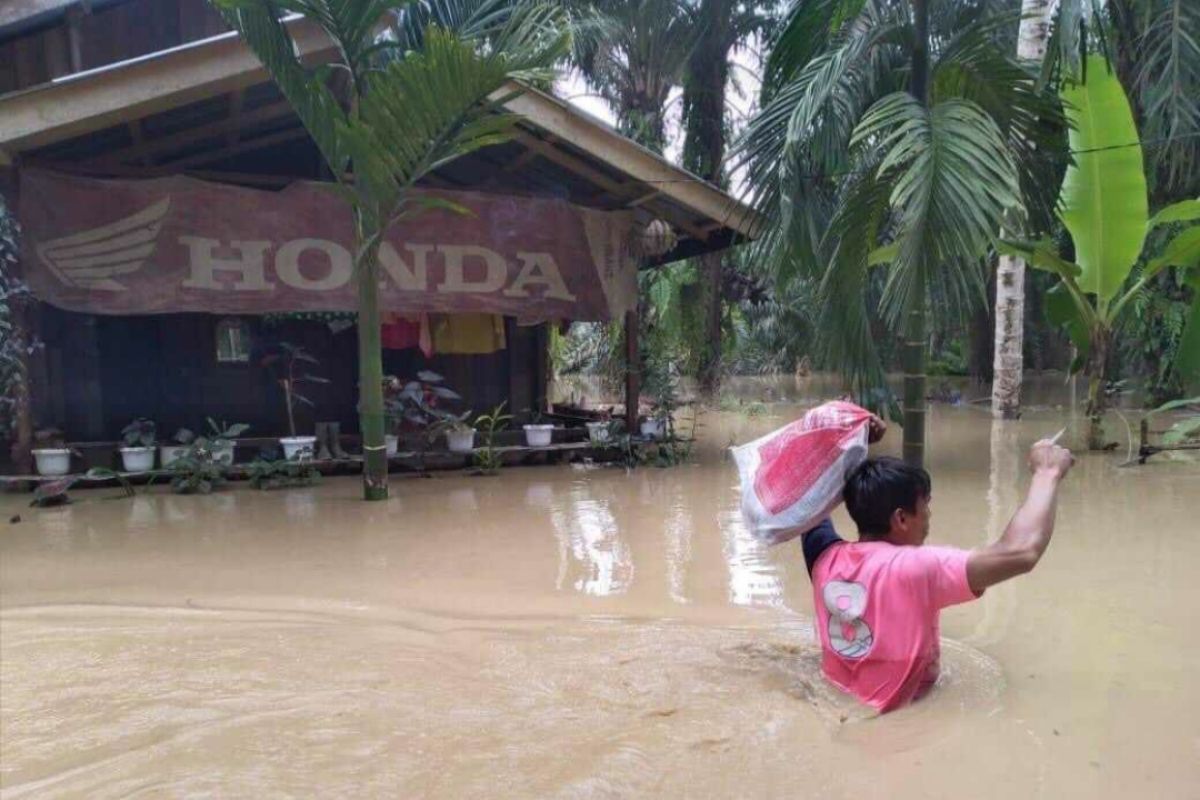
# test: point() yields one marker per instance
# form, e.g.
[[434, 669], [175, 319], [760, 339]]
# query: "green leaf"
[[1103, 199], [1187, 359], [1040, 255], [883, 255], [1062, 311], [1174, 404], [1183, 211]]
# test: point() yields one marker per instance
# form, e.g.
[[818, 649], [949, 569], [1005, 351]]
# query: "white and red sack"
[[793, 478]]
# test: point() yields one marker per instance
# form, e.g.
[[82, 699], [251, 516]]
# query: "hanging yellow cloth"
[[468, 334]]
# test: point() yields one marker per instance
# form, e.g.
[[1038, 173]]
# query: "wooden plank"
[[176, 141], [117, 93], [557, 117], [289, 135]]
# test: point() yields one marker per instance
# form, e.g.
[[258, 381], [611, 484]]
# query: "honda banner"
[[178, 244]]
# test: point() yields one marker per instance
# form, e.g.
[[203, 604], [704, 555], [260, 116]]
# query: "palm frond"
[[1168, 79], [1028, 113], [954, 180], [314, 103]]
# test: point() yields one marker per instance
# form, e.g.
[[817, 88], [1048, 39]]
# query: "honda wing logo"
[[95, 259]]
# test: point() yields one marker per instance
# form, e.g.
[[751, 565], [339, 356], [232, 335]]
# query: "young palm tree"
[[382, 124], [898, 134]]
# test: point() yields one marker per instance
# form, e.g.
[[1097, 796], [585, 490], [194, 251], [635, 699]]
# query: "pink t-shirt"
[[877, 609]]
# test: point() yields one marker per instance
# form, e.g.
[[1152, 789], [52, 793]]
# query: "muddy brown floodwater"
[[563, 632]]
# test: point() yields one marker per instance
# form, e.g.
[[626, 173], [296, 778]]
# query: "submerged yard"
[[584, 632]]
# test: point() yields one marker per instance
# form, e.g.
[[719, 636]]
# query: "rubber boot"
[[335, 440], [323, 453]]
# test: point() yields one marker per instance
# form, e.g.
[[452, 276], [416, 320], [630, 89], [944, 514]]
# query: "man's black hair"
[[877, 488]]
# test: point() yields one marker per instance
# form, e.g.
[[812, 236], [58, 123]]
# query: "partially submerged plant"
[[487, 458], [288, 360], [54, 493], [197, 471], [266, 475], [139, 433]]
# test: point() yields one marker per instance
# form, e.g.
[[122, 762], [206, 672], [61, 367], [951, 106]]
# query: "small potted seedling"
[[222, 439], [287, 359], [137, 445], [51, 454], [538, 433], [168, 454]]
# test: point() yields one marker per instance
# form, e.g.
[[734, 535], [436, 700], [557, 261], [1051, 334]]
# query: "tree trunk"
[[1007, 365], [370, 369], [710, 368], [704, 154], [912, 357], [912, 354], [632, 372], [1097, 402]]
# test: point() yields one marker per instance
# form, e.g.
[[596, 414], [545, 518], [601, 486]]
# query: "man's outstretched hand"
[[1046, 456]]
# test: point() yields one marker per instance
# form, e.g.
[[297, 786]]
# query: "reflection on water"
[[592, 554], [753, 579], [569, 632]]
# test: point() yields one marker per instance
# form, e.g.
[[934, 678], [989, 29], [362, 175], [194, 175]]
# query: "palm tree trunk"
[[912, 359], [370, 367], [710, 367], [913, 350], [704, 154], [1008, 366]]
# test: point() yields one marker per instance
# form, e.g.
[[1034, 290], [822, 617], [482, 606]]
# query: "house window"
[[233, 341]]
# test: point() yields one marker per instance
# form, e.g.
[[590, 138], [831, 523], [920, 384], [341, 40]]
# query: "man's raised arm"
[[1028, 534]]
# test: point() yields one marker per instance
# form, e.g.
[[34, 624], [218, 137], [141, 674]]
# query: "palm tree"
[[382, 125], [722, 25], [1033, 38], [642, 57], [897, 133]]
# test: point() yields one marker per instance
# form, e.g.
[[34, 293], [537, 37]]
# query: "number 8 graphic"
[[849, 635]]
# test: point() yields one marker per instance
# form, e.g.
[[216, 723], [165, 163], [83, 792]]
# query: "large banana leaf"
[[1103, 200]]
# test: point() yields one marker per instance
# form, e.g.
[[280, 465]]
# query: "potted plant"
[[51, 453], [460, 434], [137, 445], [169, 453], [538, 433], [222, 439], [416, 406], [600, 430], [288, 360], [661, 388]]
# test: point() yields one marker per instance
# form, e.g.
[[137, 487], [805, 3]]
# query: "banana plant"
[[1103, 205], [394, 109]]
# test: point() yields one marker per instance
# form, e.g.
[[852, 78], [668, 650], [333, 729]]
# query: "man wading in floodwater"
[[878, 599]]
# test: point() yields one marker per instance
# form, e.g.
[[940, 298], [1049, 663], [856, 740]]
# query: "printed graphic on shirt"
[[849, 634]]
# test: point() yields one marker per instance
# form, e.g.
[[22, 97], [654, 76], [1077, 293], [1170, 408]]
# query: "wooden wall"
[[102, 372], [107, 35]]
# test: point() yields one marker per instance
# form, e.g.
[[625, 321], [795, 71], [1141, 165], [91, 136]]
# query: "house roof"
[[208, 108]]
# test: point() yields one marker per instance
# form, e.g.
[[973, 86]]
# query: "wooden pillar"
[[632, 371]]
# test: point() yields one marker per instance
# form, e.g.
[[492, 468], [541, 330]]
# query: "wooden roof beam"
[[176, 141], [111, 95], [244, 146]]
